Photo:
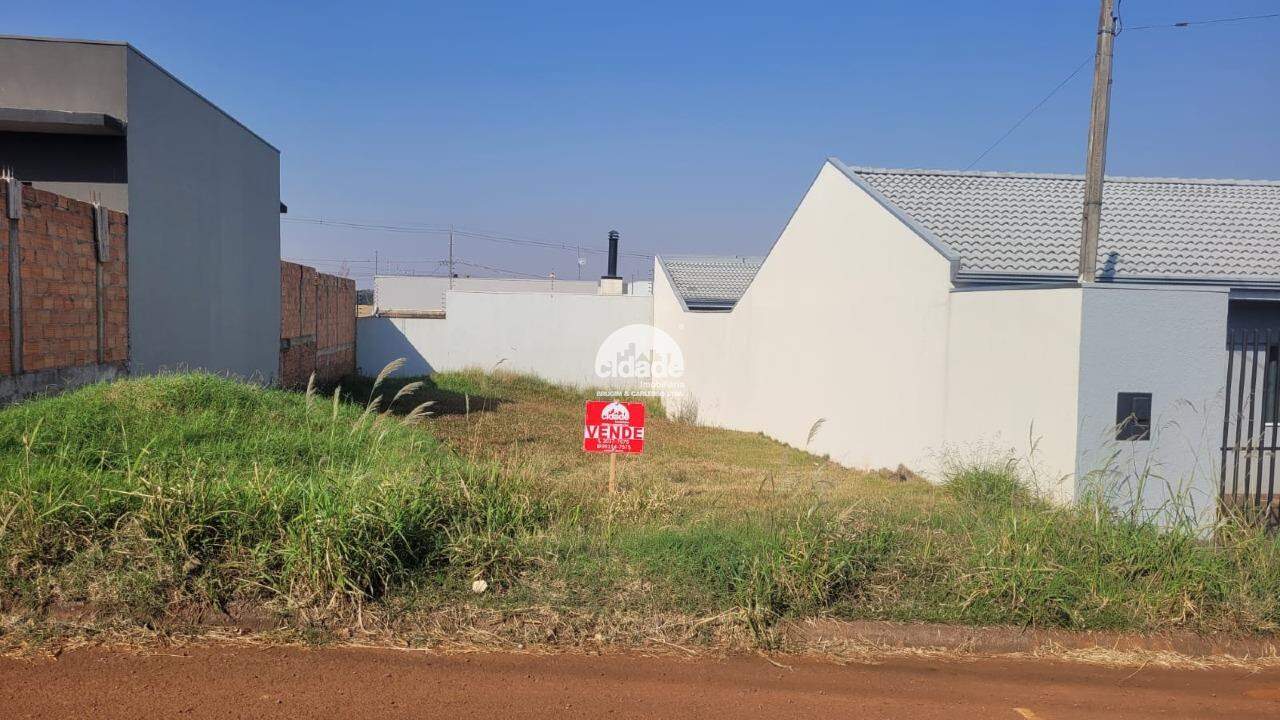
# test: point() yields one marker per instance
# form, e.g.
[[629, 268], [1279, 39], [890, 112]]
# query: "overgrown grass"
[[736, 521], [997, 555], [150, 493]]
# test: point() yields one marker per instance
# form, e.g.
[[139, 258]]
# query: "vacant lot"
[[167, 501]]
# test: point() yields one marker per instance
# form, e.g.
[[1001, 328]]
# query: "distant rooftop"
[[708, 282], [1026, 226]]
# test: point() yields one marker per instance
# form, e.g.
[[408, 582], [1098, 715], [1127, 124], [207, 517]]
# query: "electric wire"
[[458, 232], [1030, 112], [1119, 28], [1212, 21]]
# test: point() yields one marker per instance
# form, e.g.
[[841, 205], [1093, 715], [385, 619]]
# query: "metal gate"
[[1251, 423]]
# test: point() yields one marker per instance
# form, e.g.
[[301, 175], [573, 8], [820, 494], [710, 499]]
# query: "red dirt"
[[224, 681]]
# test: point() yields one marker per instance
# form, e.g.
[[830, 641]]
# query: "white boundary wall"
[[552, 335], [427, 292]]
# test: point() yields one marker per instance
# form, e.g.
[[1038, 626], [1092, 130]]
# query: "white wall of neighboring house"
[[1013, 381], [717, 361], [1170, 342], [853, 319], [552, 335], [846, 322]]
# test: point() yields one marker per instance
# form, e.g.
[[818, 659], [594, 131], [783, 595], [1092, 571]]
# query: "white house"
[[930, 315]]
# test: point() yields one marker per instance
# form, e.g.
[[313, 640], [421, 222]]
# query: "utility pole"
[[375, 263], [1096, 161], [450, 256]]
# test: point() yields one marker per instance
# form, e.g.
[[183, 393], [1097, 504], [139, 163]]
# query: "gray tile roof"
[[710, 283], [1013, 225]]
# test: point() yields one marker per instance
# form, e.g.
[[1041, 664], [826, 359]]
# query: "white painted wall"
[[1013, 380], [418, 292], [846, 322], [1170, 342], [552, 335]]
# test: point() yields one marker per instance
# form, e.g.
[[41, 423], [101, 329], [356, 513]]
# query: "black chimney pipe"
[[613, 255]]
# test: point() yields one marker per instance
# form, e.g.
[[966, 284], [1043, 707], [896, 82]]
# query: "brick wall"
[[317, 326], [60, 294]]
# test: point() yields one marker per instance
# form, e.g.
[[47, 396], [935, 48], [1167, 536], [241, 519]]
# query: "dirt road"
[[252, 682]]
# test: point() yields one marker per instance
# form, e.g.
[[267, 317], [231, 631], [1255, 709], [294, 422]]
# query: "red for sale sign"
[[613, 427]]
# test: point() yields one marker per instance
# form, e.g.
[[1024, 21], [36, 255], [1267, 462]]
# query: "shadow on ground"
[[358, 390]]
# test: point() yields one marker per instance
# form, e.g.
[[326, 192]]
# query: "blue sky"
[[689, 127]]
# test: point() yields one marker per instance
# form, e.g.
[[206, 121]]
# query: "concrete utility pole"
[[450, 257], [1096, 161]]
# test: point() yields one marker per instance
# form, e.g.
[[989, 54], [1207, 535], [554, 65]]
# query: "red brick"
[[59, 285]]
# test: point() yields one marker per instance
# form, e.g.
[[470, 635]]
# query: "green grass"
[[146, 496], [150, 492]]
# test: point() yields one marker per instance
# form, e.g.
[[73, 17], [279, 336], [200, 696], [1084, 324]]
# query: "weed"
[[143, 495], [217, 490], [989, 487]]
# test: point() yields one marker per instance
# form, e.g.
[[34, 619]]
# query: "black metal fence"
[[1251, 422]]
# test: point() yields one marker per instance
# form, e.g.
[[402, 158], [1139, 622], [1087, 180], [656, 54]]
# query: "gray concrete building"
[[92, 119]]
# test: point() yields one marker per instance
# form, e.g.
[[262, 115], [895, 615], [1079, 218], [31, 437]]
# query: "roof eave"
[[1062, 176], [59, 122], [675, 289], [708, 306], [983, 277]]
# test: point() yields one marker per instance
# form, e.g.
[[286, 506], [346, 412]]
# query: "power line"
[[545, 243], [393, 263], [1031, 112], [500, 270], [1213, 21], [474, 234], [412, 229], [1076, 71]]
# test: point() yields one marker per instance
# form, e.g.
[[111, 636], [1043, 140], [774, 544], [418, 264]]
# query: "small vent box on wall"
[[1133, 416]]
